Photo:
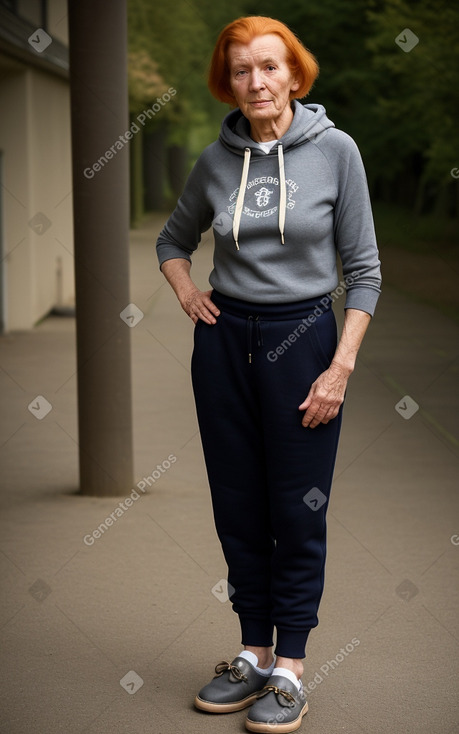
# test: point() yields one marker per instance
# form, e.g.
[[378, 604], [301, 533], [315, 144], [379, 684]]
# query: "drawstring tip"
[[237, 244], [282, 238], [250, 359]]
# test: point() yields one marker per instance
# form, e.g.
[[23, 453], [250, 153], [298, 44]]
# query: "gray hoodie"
[[279, 218]]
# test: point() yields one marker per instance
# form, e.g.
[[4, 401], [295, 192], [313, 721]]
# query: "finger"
[[193, 312], [314, 415], [306, 403], [317, 419], [210, 304], [312, 422], [323, 416], [196, 309], [206, 310], [308, 418], [205, 315], [332, 413]]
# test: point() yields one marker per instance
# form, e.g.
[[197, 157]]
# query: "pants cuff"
[[257, 632], [291, 643]]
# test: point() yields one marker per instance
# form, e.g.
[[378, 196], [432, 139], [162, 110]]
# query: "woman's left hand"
[[325, 396]]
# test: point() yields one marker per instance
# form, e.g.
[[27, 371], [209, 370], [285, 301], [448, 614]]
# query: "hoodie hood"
[[309, 122]]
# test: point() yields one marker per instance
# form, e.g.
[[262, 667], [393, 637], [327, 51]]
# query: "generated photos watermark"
[[319, 677], [407, 40], [40, 590], [332, 664], [223, 590], [274, 354], [119, 144], [131, 682], [314, 499], [407, 407], [39, 223], [131, 315], [39, 407], [40, 40], [406, 590], [129, 501]]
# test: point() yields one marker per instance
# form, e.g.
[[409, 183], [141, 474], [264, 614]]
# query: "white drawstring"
[[283, 192], [240, 197], [241, 193]]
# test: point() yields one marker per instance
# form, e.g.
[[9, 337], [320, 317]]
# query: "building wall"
[[50, 189], [58, 20], [38, 241], [56, 11], [16, 244]]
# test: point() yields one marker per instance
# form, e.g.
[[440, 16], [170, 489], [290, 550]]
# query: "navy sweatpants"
[[269, 476]]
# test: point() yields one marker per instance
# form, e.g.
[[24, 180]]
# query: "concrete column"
[[100, 154]]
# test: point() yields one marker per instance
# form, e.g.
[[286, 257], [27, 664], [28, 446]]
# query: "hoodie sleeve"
[[354, 229], [191, 217]]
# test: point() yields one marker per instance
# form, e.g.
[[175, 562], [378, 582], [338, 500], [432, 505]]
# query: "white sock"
[[288, 674], [253, 660]]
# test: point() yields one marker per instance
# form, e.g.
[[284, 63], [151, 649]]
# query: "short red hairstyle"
[[243, 30]]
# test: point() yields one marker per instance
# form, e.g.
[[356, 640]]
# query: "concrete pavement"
[[115, 633]]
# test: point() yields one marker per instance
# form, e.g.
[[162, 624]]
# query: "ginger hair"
[[302, 63]]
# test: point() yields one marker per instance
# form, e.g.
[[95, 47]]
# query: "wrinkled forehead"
[[260, 49]]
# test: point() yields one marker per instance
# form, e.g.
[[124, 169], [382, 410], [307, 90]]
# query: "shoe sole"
[[224, 708], [276, 726]]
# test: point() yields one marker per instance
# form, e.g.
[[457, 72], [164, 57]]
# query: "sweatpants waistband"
[[271, 311]]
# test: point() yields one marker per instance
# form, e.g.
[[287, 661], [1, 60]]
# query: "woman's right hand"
[[198, 305]]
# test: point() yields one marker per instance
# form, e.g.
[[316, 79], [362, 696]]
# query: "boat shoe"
[[234, 687], [280, 707]]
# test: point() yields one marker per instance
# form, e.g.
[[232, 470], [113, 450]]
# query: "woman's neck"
[[262, 131]]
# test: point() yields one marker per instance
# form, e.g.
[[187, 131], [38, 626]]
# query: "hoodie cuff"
[[170, 252], [362, 299]]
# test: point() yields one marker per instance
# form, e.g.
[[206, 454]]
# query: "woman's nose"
[[256, 80]]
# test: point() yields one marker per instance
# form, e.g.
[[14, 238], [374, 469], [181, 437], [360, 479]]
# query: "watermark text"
[[119, 144], [128, 502]]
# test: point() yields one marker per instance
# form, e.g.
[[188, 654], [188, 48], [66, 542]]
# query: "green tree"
[[401, 107], [170, 46], [335, 32], [418, 97]]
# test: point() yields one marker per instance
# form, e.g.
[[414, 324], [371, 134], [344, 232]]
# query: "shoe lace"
[[224, 666], [280, 691]]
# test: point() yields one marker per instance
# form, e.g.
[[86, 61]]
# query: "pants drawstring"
[[259, 334]]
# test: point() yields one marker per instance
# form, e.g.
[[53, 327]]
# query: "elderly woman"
[[284, 191]]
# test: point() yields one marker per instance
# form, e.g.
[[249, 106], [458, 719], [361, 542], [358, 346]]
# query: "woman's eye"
[[271, 67]]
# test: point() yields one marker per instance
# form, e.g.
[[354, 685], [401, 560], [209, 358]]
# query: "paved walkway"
[[136, 605]]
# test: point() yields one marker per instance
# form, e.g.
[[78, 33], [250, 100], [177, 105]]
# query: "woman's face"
[[261, 79]]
